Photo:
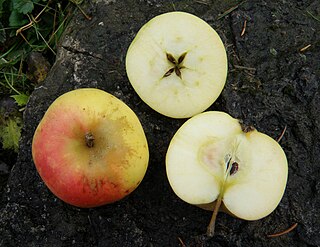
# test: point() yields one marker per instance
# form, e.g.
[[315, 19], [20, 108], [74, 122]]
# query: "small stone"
[[4, 169]]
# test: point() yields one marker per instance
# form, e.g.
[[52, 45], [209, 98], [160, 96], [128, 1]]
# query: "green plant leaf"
[[23, 6], [10, 133], [21, 99], [16, 19]]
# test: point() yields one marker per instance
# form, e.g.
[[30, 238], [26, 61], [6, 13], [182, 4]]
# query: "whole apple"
[[90, 148], [215, 162]]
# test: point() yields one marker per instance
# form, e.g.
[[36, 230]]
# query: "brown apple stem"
[[229, 169], [211, 226], [89, 140]]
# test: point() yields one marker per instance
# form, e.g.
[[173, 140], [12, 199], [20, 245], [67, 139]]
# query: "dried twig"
[[283, 232], [228, 11], [313, 16], [244, 28], [32, 21], [305, 48], [89, 18], [181, 242], [244, 67], [202, 2], [282, 134]]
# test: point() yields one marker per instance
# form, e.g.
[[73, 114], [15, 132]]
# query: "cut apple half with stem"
[[215, 162], [177, 64]]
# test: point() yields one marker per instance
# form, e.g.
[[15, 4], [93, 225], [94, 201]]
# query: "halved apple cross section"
[[177, 64], [212, 160]]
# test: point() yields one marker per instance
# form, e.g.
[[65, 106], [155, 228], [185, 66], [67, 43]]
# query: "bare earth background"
[[271, 84]]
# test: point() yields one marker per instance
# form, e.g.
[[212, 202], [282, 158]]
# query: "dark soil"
[[271, 84]]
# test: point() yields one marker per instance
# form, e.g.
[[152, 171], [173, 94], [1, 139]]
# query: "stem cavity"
[[89, 138]]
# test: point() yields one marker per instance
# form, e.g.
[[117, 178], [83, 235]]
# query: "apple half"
[[177, 64], [90, 148], [213, 161]]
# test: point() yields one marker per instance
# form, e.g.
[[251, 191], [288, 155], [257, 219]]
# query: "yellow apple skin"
[[90, 148]]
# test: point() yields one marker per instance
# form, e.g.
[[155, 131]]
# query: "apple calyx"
[[177, 64], [89, 138]]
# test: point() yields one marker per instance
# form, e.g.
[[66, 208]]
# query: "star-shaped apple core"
[[177, 64]]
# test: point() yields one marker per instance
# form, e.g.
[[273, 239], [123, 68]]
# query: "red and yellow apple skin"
[[90, 148]]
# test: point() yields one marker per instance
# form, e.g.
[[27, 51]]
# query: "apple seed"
[[169, 72], [171, 58], [178, 72], [181, 58], [234, 168]]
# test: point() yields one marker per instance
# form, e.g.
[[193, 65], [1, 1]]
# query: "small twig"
[[228, 11], [181, 242], [283, 232], [47, 44], [85, 15], [305, 48], [25, 39], [61, 24], [173, 6], [282, 134], [202, 2], [20, 68], [244, 28], [244, 67], [33, 21], [313, 16]]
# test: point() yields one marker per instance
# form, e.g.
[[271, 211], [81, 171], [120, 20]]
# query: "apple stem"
[[231, 169], [211, 226], [89, 140]]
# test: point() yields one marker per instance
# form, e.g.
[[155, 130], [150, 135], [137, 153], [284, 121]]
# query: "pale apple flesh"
[[212, 159], [177, 64], [90, 148]]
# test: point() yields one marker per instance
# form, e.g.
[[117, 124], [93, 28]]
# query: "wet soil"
[[271, 84]]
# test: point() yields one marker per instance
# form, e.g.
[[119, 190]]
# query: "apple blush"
[[177, 64], [215, 162], [90, 148]]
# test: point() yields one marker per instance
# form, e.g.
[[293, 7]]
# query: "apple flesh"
[[214, 161], [90, 148], [177, 64]]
